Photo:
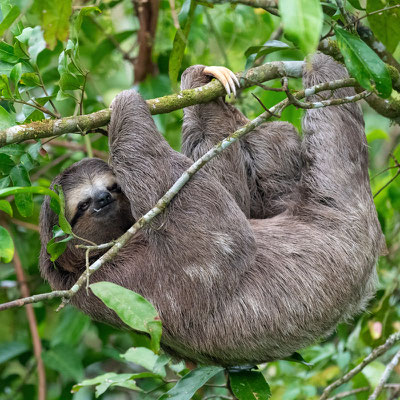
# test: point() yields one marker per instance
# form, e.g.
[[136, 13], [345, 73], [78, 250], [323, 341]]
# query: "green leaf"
[[5, 87], [190, 383], [24, 202], [377, 134], [179, 45], [33, 38], [12, 150], [28, 162], [132, 308], [6, 246], [5, 182], [144, 357], [64, 359], [297, 357], [267, 48], [8, 20], [9, 350], [302, 22], [7, 53], [15, 75], [34, 150], [6, 119], [103, 382], [30, 79], [56, 248], [6, 207], [356, 4], [69, 81], [249, 385], [54, 17], [363, 63], [62, 220], [82, 13], [6, 164], [386, 24]]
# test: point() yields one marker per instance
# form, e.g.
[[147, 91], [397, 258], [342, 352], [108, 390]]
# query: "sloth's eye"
[[114, 188], [84, 205]]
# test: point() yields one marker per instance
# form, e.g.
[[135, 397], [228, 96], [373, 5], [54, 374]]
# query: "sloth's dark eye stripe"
[[77, 215]]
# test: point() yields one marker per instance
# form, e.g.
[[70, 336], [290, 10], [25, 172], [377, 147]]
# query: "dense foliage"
[[64, 58]]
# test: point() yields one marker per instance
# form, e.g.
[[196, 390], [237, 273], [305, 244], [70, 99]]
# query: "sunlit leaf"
[[144, 357], [363, 63], [33, 38], [302, 22], [6, 246], [82, 13], [190, 383], [9, 18], [6, 207], [7, 53], [133, 309]]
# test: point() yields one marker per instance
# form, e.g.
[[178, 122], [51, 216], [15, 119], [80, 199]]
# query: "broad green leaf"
[[190, 383], [69, 81], [54, 17], [7, 53], [363, 63], [8, 20], [33, 38], [9, 350], [56, 248], [34, 150], [6, 246], [103, 382], [6, 207], [6, 119], [64, 359], [6, 164], [133, 309], [144, 357], [30, 79], [302, 22], [377, 134], [62, 220], [249, 385], [267, 48], [28, 162], [82, 13], [5, 89], [12, 150], [5, 182], [386, 24], [179, 45], [15, 75], [24, 202]]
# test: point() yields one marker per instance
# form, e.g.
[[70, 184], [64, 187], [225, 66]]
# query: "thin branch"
[[349, 393], [377, 352], [385, 376], [355, 21], [162, 204], [33, 105], [58, 115], [387, 184], [267, 5]]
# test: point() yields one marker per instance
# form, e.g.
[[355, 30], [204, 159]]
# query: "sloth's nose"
[[103, 198]]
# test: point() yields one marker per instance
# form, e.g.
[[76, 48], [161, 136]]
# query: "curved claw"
[[225, 76]]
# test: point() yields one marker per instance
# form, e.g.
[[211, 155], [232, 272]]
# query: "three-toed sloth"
[[263, 252]]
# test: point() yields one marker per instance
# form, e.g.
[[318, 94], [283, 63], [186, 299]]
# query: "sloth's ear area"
[[225, 76]]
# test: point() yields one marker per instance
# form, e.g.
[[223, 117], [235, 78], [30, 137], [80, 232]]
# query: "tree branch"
[[161, 105], [377, 352], [162, 204]]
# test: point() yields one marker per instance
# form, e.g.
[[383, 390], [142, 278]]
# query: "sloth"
[[263, 252]]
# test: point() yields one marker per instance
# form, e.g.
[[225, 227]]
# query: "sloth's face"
[[97, 209]]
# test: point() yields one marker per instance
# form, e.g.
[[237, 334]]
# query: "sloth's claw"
[[225, 76]]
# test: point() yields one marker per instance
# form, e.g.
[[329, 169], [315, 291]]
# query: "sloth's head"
[[95, 206]]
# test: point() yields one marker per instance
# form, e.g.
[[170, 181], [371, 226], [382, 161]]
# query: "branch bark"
[[204, 94]]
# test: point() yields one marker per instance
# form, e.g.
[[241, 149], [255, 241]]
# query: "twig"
[[58, 115], [162, 204], [33, 105], [378, 351], [267, 5], [355, 21], [387, 184], [37, 344], [174, 15], [263, 106], [24, 224], [385, 376], [349, 393]]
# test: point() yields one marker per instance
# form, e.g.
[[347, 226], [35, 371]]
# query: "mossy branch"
[[204, 94]]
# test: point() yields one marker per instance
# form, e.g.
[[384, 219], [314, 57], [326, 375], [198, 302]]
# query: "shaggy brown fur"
[[232, 290]]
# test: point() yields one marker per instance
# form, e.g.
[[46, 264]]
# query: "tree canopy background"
[[67, 58]]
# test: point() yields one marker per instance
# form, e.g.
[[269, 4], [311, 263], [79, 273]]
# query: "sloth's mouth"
[[100, 210]]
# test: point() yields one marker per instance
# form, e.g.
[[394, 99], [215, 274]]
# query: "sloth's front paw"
[[225, 76]]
